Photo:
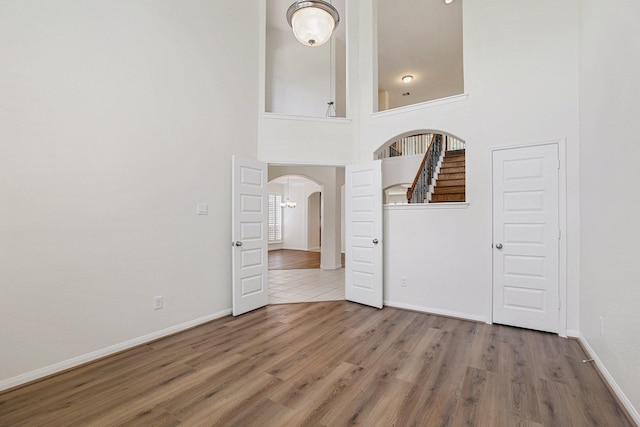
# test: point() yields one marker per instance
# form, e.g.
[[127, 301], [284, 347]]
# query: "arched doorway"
[[306, 264]]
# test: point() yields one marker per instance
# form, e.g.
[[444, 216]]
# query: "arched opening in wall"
[[396, 194], [428, 166], [301, 262]]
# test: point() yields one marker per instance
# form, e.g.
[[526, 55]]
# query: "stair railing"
[[420, 187]]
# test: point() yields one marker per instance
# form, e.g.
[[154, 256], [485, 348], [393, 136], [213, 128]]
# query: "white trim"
[[418, 206], [436, 174], [610, 381], [572, 333], [420, 106], [563, 258], [334, 120], [440, 312], [562, 224], [107, 351]]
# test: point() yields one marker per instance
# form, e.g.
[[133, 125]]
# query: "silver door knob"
[[238, 243], [375, 241], [499, 246]]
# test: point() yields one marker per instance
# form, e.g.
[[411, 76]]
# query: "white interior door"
[[363, 229], [525, 237], [249, 235]]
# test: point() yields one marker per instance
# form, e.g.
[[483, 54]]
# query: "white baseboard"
[[431, 310], [573, 334], [609, 379], [107, 351]]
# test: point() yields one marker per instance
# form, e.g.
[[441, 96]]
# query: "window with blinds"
[[275, 218]]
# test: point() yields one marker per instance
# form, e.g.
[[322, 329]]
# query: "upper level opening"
[[302, 80], [419, 51]]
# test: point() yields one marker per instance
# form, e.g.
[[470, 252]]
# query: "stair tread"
[[448, 198], [452, 170], [450, 175], [452, 189], [450, 182], [453, 164]]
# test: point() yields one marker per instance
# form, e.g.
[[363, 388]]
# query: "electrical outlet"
[[601, 325], [202, 209], [157, 302], [403, 282]]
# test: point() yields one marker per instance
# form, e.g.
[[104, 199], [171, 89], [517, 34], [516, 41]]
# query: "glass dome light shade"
[[312, 22]]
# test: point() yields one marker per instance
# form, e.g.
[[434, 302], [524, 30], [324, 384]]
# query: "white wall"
[[610, 207], [293, 139], [116, 118], [296, 220], [521, 63], [298, 77], [400, 170], [314, 225]]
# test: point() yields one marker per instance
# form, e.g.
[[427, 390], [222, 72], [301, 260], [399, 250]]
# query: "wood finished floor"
[[287, 259], [328, 364]]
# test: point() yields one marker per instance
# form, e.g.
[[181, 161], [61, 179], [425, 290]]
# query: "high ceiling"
[[422, 38]]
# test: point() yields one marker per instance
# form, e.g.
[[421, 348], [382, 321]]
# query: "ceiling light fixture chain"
[[331, 105]]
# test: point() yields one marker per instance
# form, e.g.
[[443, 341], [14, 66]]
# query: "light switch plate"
[[202, 209]]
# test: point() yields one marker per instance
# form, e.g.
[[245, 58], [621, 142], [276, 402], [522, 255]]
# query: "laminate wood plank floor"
[[328, 364], [287, 259]]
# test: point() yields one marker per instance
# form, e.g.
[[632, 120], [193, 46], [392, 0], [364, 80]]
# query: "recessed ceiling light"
[[448, 1], [407, 79]]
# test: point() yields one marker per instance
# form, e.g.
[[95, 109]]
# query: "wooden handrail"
[[411, 189]]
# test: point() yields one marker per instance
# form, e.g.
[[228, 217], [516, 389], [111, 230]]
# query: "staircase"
[[450, 185]]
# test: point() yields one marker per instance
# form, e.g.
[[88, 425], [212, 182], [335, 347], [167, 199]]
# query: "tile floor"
[[287, 286]]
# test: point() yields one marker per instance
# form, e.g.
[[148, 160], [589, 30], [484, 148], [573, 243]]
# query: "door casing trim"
[[562, 224]]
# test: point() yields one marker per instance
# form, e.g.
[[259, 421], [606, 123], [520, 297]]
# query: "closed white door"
[[363, 233], [249, 235], [525, 237]]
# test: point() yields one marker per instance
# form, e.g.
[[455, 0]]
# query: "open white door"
[[363, 229], [525, 237], [249, 238]]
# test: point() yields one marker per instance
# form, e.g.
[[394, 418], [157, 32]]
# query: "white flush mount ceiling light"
[[407, 79], [312, 21], [448, 1]]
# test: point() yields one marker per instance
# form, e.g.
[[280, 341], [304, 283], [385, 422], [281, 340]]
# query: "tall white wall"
[[610, 208], [521, 63], [116, 118]]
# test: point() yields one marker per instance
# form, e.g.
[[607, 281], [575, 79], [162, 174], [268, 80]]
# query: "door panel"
[[525, 237], [363, 217], [249, 235]]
